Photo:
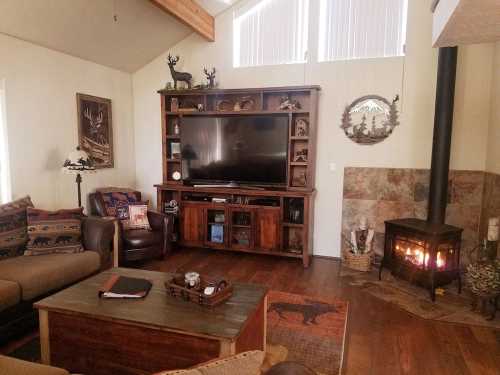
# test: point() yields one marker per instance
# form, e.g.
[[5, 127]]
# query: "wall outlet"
[[332, 167]]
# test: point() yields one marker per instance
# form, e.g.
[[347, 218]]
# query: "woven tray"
[[175, 288], [357, 262]]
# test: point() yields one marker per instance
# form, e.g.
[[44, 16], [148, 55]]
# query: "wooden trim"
[[116, 246], [264, 344], [190, 14], [227, 348], [44, 336], [239, 91]]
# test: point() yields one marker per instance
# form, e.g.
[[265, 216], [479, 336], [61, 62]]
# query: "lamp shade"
[[78, 162]]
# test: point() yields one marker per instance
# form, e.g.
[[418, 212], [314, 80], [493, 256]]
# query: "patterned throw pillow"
[[54, 231], [13, 227], [138, 214], [116, 202]]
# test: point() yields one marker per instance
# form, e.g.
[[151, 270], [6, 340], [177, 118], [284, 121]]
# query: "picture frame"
[[95, 129]]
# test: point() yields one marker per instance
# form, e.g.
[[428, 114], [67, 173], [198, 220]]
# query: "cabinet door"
[[241, 221], [192, 225], [267, 229]]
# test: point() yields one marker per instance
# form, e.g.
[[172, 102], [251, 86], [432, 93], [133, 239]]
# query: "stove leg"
[[459, 279], [433, 288], [380, 269]]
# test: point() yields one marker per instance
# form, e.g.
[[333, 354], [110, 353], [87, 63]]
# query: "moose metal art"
[[178, 76], [210, 77]]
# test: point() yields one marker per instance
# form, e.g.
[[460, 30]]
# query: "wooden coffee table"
[[85, 334]]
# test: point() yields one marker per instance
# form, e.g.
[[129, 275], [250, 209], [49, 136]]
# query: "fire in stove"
[[423, 253], [419, 257]]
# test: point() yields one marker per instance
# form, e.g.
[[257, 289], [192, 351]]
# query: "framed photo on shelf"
[[175, 150]]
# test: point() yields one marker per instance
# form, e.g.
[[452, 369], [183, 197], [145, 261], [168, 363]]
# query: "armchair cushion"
[[116, 202], [10, 294], [247, 363], [141, 238]]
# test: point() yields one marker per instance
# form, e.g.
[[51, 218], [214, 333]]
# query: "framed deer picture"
[[95, 130]]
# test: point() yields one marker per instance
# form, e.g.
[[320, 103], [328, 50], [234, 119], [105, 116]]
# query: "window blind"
[[270, 32], [355, 29]]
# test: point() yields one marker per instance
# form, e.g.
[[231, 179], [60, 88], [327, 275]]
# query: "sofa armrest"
[[97, 235]]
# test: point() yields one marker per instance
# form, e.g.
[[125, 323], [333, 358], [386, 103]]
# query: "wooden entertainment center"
[[274, 220]]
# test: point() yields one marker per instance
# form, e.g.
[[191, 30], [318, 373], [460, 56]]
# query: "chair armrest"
[[156, 220], [97, 235]]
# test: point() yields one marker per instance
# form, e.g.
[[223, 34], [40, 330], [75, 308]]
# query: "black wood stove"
[[427, 252]]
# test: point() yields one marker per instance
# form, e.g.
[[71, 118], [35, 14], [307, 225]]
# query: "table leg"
[[43, 316]]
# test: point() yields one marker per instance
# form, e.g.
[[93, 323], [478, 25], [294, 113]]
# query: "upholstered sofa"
[[27, 279]]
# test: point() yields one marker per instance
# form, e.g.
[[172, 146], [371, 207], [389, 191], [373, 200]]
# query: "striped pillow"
[[13, 227], [54, 231]]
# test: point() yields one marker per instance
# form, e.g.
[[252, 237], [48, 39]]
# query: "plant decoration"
[[370, 119], [286, 103], [483, 274]]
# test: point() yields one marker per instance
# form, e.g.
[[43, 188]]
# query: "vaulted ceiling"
[[122, 34]]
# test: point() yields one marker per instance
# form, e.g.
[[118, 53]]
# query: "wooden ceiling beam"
[[191, 14]]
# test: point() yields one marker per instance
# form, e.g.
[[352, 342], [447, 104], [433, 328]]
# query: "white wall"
[[413, 77], [493, 160], [40, 86]]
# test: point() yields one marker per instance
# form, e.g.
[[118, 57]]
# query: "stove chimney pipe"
[[441, 145]]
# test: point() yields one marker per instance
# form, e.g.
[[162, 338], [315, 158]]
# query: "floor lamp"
[[78, 163]]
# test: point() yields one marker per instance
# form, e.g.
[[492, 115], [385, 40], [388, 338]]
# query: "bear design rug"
[[312, 330]]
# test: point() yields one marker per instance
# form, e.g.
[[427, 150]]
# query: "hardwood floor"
[[382, 339]]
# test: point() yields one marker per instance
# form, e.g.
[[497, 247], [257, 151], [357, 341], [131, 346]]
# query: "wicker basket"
[[358, 262]]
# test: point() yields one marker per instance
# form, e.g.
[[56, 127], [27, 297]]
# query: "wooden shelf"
[[267, 229], [293, 225], [215, 113], [254, 251]]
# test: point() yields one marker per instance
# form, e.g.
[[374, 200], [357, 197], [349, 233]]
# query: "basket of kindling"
[[198, 289], [357, 254]]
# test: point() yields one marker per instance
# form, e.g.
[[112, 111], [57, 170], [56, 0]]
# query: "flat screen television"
[[235, 149]]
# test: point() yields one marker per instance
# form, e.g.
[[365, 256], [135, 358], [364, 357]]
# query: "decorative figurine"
[[177, 129], [178, 76], [174, 104], [286, 103], [362, 238], [300, 156], [210, 77], [301, 127]]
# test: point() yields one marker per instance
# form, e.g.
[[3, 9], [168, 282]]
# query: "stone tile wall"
[[382, 194], [491, 201]]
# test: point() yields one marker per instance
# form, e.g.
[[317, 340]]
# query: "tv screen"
[[243, 149]]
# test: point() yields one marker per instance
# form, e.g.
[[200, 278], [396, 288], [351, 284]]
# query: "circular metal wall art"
[[370, 119]]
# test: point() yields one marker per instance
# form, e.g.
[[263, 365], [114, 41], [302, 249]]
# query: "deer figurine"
[[211, 77], [178, 76]]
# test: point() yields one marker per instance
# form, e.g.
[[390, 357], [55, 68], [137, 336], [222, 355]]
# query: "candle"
[[493, 229]]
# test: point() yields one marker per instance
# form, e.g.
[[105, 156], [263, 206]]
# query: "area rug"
[[312, 330], [449, 306], [302, 329]]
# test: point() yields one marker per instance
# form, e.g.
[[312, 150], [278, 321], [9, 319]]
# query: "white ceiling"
[[459, 22], [87, 29]]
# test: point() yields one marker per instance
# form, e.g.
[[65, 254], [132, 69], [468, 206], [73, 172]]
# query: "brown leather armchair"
[[137, 244]]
